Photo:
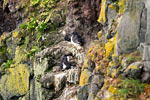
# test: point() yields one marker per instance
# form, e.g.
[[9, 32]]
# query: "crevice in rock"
[[1, 98], [16, 97], [8, 20], [143, 25]]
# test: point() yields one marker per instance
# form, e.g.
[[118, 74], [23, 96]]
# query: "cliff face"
[[113, 63]]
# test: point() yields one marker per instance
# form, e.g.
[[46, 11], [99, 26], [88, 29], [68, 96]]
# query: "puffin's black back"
[[67, 37], [65, 61], [77, 39]]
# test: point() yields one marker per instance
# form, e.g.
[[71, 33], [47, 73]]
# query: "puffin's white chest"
[[73, 42], [64, 66]]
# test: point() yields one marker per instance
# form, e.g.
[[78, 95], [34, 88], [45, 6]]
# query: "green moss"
[[33, 50], [8, 63], [20, 55], [35, 2], [131, 60], [130, 88]]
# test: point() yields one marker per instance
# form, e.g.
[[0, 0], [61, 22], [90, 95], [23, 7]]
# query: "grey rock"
[[129, 28], [134, 70], [59, 81], [69, 93], [147, 38], [60, 49], [141, 48], [111, 14], [54, 81], [40, 67], [96, 84], [73, 76], [146, 77], [146, 53], [143, 25], [48, 80], [147, 66], [83, 93], [47, 94], [56, 69]]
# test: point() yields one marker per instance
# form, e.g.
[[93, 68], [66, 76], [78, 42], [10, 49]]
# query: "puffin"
[[76, 39], [64, 62]]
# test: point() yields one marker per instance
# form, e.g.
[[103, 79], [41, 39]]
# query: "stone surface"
[[40, 66], [83, 93], [129, 28], [73, 76], [59, 81], [48, 80], [134, 70], [146, 53], [147, 66], [69, 93], [85, 77], [60, 49], [54, 81], [96, 84], [147, 5], [8, 19], [146, 72], [82, 17], [16, 83], [111, 14]]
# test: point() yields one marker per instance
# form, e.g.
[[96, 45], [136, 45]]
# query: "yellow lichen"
[[96, 51], [102, 16], [109, 47], [121, 6], [115, 44], [96, 98], [112, 6], [132, 67], [19, 78], [17, 81], [83, 78], [113, 90], [5, 3], [114, 73], [15, 34], [3, 37], [99, 34], [85, 64], [130, 99], [20, 55]]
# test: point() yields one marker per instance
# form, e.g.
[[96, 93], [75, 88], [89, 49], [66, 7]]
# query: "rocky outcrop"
[[15, 84], [10, 17], [128, 40], [82, 17], [112, 64]]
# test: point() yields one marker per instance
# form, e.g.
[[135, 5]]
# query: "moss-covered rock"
[[15, 83]]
